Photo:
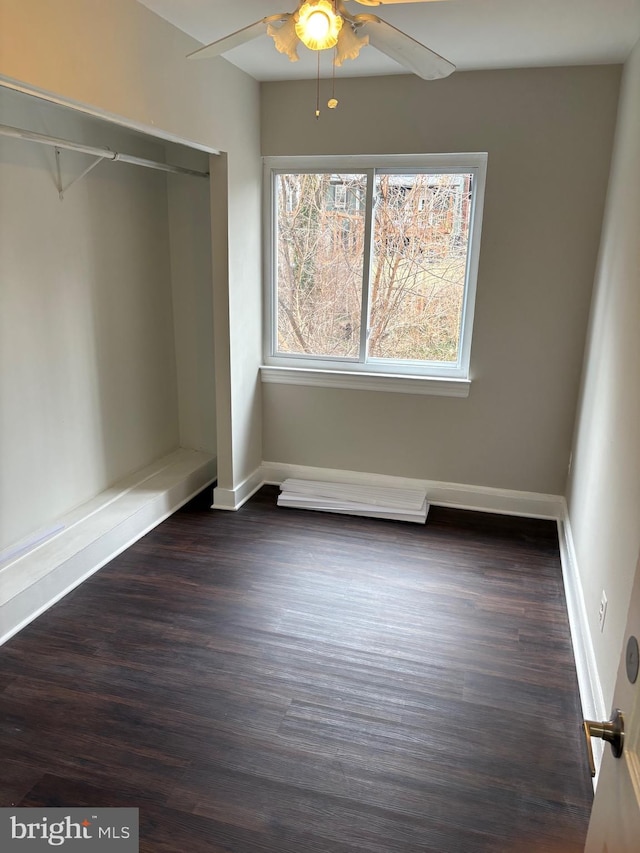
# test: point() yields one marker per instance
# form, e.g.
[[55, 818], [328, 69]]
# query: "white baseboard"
[[93, 534], [589, 685], [233, 499], [459, 496]]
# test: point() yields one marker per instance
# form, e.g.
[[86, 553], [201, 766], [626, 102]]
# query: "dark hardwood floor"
[[296, 682]]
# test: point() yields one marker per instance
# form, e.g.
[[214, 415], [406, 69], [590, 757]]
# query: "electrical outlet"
[[602, 612]]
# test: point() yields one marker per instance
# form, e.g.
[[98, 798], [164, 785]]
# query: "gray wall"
[[192, 297], [604, 486], [548, 133]]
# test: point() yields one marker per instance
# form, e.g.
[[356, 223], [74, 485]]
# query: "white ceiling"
[[473, 34]]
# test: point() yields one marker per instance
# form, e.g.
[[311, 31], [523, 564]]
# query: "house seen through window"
[[373, 269]]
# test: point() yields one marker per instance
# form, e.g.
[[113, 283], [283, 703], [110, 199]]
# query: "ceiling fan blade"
[[406, 50], [259, 28]]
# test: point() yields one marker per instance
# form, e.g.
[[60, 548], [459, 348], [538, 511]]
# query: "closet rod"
[[106, 153]]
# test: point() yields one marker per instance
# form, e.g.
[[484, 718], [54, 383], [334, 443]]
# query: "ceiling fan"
[[326, 24]]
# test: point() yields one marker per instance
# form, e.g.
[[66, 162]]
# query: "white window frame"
[[375, 374]]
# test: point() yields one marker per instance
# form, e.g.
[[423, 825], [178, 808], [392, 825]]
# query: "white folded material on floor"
[[351, 499]]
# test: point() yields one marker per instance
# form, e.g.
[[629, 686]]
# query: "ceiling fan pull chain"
[[318, 89], [332, 103]]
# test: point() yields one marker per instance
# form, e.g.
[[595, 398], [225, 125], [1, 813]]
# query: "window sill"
[[430, 385]]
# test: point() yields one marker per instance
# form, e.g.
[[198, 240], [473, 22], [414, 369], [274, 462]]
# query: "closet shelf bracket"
[[62, 190]]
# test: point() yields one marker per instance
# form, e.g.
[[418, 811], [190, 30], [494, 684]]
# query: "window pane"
[[319, 245], [420, 244]]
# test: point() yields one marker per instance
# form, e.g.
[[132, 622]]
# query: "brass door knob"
[[612, 732]]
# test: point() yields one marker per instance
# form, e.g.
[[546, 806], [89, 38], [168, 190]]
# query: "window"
[[373, 270]]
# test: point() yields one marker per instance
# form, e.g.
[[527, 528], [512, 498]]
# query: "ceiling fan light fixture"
[[285, 38], [349, 45], [318, 26]]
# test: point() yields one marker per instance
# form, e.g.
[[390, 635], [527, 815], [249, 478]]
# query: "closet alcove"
[[107, 376]]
